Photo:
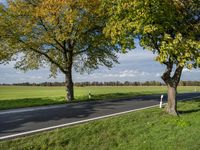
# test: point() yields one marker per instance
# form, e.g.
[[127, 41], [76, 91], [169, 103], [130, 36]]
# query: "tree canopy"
[[43, 30], [168, 28], [59, 33]]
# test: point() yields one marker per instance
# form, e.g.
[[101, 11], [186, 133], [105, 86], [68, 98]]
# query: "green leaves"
[[55, 33], [169, 28]]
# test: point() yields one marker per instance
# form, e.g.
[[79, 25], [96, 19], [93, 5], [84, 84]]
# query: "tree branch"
[[45, 55], [46, 29], [155, 44], [177, 75], [79, 52], [166, 75], [49, 58]]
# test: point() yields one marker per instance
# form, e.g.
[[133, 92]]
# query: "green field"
[[143, 130], [27, 96]]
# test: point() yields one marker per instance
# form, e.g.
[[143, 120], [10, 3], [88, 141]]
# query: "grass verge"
[[145, 129]]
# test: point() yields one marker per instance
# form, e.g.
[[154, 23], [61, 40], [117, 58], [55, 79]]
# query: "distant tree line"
[[189, 83], [117, 83], [111, 83]]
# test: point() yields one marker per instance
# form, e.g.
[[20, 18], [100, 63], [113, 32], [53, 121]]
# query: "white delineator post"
[[89, 95], [161, 100]]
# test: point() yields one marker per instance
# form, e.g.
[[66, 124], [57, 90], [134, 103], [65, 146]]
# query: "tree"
[[62, 34], [169, 28]]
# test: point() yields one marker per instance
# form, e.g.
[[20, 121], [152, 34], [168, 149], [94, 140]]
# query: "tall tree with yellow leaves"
[[62, 34]]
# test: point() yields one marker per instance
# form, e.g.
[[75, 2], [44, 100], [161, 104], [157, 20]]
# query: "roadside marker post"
[[161, 100], [89, 95]]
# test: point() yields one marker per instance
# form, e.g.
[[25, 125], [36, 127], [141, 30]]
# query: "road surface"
[[26, 121]]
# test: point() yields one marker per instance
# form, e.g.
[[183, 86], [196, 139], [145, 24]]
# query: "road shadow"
[[122, 96], [188, 111], [30, 102], [197, 109], [44, 101], [15, 122]]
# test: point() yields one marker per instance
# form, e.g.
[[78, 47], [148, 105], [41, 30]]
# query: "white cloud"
[[158, 74], [122, 74], [186, 70], [191, 70], [114, 75], [36, 77]]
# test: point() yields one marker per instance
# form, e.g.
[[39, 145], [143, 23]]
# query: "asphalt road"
[[25, 121]]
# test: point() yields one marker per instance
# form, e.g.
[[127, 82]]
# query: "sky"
[[3, 1], [137, 65]]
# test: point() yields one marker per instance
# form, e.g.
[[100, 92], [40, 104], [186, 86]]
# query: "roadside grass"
[[140, 130], [28, 96]]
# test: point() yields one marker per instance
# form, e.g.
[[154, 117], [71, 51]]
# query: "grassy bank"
[[146, 129], [22, 96]]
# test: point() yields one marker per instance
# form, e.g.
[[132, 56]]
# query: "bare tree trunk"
[[171, 107], [69, 86]]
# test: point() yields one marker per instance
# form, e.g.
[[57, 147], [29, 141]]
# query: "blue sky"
[[137, 65], [3, 1]]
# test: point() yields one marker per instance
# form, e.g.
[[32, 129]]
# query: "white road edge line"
[[82, 121], [73, 123]]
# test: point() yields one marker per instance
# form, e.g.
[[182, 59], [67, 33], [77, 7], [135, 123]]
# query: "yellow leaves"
[[46, 20], [187, 54], [189, 66], [52, 7], [179, 37], [198, 61], [158, 58], [3, 55], [150, 28], [20, 7], [160, 25], [55, 7], [125, 5], [180, 49], [167, 37]]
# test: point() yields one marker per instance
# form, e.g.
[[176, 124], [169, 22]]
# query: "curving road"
[[21, 122]]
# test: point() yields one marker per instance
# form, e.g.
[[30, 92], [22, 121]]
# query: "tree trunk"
[[171, 107], [68, 56], [69, 86], [172, 83]]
